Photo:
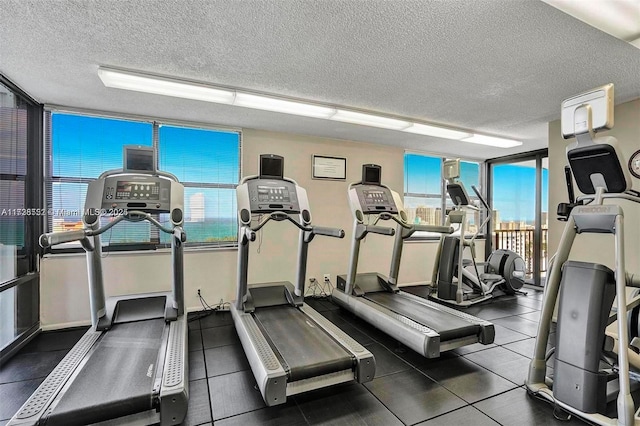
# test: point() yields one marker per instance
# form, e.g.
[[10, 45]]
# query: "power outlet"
[[327, 277]]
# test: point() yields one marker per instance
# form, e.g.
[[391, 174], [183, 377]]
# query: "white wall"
[[598, 248], [64, 293]]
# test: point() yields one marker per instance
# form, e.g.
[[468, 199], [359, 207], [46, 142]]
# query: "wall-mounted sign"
[[329, 168]]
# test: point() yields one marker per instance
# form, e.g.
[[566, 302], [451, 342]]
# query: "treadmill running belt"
[[448, 326], [117, 379], [304, 346]]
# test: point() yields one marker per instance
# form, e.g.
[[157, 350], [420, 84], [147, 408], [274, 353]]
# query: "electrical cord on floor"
[[208, 309]]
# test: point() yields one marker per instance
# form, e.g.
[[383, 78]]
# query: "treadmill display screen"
[[128, 190], [273, 194]]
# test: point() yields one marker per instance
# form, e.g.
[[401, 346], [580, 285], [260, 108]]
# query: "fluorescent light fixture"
[[620, 18], [492, 141], [438, 132], [369, 120], [163, 86], [167, 86], [248, 100]]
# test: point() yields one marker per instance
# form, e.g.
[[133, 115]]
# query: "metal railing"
[[521, 242]]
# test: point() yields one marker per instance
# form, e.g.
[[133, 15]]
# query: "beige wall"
[[64, 294], [598, 248]]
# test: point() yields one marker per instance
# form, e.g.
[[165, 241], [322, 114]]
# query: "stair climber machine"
[[131, 365], [426, 327], [502, 273], [591, 366], [291, 348]]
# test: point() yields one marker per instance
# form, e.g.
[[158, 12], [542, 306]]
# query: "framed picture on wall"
[[332, 168]]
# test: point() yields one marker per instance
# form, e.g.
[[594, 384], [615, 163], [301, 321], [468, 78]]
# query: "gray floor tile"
[[199, 411], [281, 415], [55, 340], [413, 397], [195, 340], [216, 319], [531, 316], [386, 361], [196, 365], [510, 365], [473, 348], [519, 324], [467, 380], [225, 360], [28, 366], [13, 395], [233, 394], [506, 335], [348, 404], [522, 347], [462, 416], [515, 408], [219, 336]]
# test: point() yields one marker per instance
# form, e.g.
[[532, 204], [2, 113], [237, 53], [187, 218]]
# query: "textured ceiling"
[[500, 67]]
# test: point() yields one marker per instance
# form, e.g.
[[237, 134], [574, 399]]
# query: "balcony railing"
[[521, 242]]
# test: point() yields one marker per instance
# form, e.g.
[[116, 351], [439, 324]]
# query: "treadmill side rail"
[[416, 336], [487, 333], [174, 392], [36, 406], [365, 362], [269, 373]]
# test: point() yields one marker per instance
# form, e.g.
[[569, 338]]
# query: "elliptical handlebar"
[[481, 198], [432, 228]]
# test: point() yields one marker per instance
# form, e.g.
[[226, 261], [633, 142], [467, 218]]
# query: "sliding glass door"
[[519, 197]]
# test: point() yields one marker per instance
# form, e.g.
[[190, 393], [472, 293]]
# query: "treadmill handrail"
[[280, 216], [54, 238]]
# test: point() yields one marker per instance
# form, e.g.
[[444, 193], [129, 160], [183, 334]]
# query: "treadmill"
[[291, 348], [424, 326], [130, 367]]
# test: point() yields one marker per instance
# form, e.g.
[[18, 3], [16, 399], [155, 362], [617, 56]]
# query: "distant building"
[[196, 205]]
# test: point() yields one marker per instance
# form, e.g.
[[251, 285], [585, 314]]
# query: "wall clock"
[[634, 164]]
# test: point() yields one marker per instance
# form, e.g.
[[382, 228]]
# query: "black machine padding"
[[117, 379], [598, 159], [306, 348], [458, 194], [448, 326]]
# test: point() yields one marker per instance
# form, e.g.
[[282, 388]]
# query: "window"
[[206, 161], [13, 172], [423, 189], [425, 198]]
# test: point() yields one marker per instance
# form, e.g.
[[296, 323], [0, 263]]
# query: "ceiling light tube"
[[438, 132], [164, 86], [369, 120], [248, 100], [492, 141]]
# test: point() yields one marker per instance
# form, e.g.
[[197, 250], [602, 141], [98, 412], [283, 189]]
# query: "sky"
[[87, 146], [514, 185]]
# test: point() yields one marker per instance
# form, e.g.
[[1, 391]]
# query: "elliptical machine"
[[590, 368], [473, 282]]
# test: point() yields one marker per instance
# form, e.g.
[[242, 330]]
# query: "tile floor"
[[477, 384]]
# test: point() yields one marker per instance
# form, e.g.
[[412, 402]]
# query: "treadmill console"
[[375, 199], [137, 192], [267, 196]]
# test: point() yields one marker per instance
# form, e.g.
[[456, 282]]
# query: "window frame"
[[482, 178], [156, 123]]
